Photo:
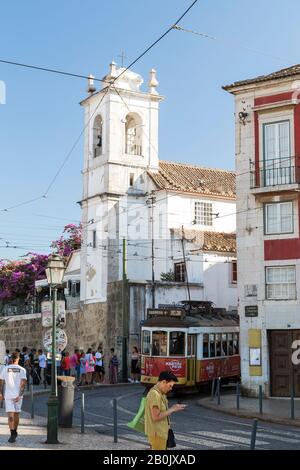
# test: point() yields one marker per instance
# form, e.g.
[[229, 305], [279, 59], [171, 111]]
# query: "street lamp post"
[[55, 273]]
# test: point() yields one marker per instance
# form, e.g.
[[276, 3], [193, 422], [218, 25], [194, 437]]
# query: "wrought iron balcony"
[[276, 172]]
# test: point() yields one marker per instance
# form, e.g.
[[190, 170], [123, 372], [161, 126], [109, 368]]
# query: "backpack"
[[22, 360]]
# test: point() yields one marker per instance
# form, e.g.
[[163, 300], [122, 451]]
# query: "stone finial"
[[152, 84], [91, 87], [112, 69]]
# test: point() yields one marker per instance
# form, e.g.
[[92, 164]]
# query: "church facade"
[[168, 227]]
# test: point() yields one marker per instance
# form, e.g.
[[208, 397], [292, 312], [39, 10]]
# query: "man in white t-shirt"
[[42, 366], [13, 377]]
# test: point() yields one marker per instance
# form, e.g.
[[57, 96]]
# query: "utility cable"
[[47, 69], [106, 90]]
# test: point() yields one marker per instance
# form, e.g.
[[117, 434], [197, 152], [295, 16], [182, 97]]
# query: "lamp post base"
[[52, 423]]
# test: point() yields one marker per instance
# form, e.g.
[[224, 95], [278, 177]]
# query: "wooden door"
[[283, 374]]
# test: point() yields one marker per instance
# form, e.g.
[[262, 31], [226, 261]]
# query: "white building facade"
[[165, 211], [267, 122]]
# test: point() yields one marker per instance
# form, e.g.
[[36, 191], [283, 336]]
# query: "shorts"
[[99, 369], [13, 407]]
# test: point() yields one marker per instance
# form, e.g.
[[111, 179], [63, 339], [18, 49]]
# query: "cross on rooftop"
[[123, 56]]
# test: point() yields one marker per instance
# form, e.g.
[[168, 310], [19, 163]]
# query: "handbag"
[[138, 422], [171, 439]]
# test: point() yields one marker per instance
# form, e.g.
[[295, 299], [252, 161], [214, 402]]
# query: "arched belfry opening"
[[133, 134], [97, 136]]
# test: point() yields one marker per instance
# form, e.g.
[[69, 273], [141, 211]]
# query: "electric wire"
[[105, 91], [50, 70], [235, 44]]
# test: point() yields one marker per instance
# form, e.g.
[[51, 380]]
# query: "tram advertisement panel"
[[152, 366], [219, 367]]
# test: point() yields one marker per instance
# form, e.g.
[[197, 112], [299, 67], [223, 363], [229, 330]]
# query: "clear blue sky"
[[42, 117]]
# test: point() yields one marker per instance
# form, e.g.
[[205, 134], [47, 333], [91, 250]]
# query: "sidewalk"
[[275, 410], [33, 433]]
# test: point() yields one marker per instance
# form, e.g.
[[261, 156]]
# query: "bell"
[[99, 144]]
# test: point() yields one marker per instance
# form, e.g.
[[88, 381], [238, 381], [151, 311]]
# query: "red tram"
[[196, 342]]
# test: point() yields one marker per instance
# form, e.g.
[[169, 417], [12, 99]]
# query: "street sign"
[[61, 314], [167, 312], [46, 307], [251, 311], [61, 340]]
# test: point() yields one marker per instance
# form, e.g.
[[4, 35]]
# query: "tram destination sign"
[[166, 312], [251, 311]]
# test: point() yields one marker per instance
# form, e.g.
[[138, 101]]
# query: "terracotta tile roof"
[[187, 178], [283, 73], [208, 241]]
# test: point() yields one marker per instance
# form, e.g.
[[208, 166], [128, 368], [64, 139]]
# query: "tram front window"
[[224, 350], [230, 344], [218, 344], [212, 352], [177, 343], [205, 345], [235, 343], [146, 342], [159, 343]]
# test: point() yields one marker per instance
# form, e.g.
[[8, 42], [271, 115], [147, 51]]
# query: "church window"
[[133, 134], [97, 136], [94, 239], [131, 179]]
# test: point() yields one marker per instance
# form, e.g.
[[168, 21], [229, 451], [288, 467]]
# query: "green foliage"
[[169, 276]]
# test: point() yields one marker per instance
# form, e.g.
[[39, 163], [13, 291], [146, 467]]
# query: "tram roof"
[[204, 320]]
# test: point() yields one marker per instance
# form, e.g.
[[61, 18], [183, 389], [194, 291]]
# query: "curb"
[[82, 387], [244, 414]]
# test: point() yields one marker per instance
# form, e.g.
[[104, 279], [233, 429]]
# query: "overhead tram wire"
[[47, 69], [106, 90], [232, 44]]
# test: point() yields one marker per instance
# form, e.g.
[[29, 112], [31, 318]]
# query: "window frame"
[[275, 123], [233, 271], [150, 343], [201, 221], [267, 178], [266, 204], [267, 268], [169, 343], [182, 272]]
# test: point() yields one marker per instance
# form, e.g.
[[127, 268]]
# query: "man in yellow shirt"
[[157, 422]]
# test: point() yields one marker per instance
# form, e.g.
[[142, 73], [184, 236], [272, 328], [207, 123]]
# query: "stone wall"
[[114, 319], [85, 327]]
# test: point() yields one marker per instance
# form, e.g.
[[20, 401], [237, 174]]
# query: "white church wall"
[[217, 281], [181, 212]]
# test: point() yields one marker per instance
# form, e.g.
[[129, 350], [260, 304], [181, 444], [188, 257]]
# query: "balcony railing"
[[133, 149], [279, 171]]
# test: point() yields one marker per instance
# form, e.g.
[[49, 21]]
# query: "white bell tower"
[[120, 145]]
